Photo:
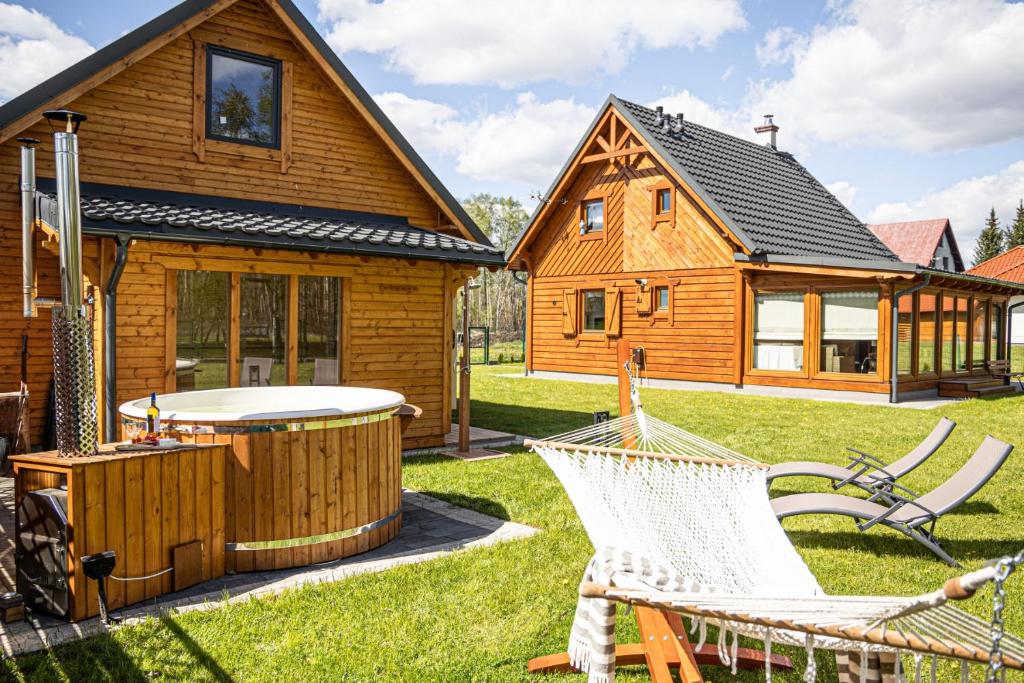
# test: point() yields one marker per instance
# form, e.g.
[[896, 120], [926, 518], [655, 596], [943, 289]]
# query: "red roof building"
[[1007, 266], [928, 243]]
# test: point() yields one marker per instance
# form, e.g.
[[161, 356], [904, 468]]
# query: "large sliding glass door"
[[201, 358], [256, 329]]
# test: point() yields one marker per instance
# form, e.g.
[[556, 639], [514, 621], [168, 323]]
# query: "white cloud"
[[966, 204], [729, 71], [526, 143], [920, 75], [33, 48], [510, 43], [780, 45], [844, 191]]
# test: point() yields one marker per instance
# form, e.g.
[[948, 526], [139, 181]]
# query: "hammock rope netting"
[[702, 510]]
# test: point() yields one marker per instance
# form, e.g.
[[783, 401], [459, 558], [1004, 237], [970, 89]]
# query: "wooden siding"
[[140, 134], [393, 334], [141, 506], [694, 343]]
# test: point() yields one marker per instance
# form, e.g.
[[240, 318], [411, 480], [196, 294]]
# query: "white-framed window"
[[779, 331], [593, 310]]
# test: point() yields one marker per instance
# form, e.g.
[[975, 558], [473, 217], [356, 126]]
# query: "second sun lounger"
[[914, 517], [866, 471]]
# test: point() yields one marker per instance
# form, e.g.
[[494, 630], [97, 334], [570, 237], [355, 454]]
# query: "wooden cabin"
[[250, 217], [729, 263]]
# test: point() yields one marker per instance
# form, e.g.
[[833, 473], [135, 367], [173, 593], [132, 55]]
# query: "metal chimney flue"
[[73, 365], [28, 224]]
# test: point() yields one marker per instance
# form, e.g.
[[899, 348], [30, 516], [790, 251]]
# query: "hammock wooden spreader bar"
[[642, 436], [912, 624]]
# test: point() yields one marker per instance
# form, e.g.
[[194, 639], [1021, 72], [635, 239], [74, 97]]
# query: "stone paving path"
[[430, 528]]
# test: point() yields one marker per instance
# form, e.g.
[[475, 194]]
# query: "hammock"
[[645, 487]]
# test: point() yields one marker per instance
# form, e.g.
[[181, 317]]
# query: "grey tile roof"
[[777, 206], [200, 218]]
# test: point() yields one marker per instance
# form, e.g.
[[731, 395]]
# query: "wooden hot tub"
[[313, 473]]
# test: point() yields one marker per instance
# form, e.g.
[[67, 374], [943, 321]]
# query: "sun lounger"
[[864, 470], [914, 516]]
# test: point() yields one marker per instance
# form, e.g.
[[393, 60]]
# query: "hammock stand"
[[923, 625], [664, 645]]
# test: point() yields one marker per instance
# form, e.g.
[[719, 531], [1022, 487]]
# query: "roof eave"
[[826, 262]]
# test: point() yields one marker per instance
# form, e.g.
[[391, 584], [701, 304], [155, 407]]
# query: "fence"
[[496, 347]]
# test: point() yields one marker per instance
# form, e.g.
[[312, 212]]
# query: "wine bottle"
[[153, 416]]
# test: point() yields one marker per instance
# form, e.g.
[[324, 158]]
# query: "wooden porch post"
[[464, 374]]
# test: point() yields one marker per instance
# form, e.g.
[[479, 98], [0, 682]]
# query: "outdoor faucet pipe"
[[110, 338], [894, 339], [28, 222]]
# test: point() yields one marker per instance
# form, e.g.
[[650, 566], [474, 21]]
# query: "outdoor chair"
[[865, 471], [325, 371], [256, 371], [909, 514]]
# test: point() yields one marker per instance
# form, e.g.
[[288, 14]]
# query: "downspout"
[[110, 338], [894, 339], [525, 283]]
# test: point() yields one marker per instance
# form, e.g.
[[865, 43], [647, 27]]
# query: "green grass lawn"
[[479, 615]]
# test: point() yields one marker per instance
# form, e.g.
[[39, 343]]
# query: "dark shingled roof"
[[771, 201], [148, 214]]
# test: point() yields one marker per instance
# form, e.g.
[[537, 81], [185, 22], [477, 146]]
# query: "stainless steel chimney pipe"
[[73, 364], [69, 210], [28, 224]]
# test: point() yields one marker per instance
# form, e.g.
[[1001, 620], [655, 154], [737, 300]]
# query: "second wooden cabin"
[[728, 262]]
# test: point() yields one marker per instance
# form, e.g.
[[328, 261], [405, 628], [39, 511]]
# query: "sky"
[[905, 110]]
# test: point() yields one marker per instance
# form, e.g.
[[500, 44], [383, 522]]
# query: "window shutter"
[[644, 301], [569, 317], [612, 312]]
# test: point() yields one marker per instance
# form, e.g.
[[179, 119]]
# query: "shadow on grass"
[[891, 545], [531, 421], [483, 505], [198, 653]]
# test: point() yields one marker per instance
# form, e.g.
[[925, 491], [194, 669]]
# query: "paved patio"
[[430, 528]]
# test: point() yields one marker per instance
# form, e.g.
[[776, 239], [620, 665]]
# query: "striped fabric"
[[880, 667], [592, 639]]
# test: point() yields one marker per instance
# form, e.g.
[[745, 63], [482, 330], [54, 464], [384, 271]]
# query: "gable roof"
[[183, 217], [770, 202], [916, 241], [1007, 266], [123, 52]]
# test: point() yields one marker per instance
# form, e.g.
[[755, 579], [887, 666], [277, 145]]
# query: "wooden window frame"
[[663, 314], [986, 302], [669, 216], [243, 56], [581, 307], [914, 332], [814, 303], [749, 321], [233, 341], [598, 235], [936, 371], [281, 153]]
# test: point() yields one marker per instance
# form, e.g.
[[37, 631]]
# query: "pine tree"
[[1015, 231], [990, 241]]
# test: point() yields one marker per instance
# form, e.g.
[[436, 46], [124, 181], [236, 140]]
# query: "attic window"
[[592, 216], [243, 102], [663, 201]]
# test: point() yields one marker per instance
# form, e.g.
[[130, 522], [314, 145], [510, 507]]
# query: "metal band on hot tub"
[[313, 540], [309, 426]]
